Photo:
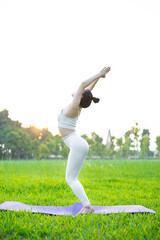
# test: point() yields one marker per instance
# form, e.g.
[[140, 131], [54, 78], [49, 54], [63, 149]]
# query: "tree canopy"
[[17, 142]]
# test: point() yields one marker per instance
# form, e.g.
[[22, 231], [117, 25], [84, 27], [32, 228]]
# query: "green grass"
[[106, 182]]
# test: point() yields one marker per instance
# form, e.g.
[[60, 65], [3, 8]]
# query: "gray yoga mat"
[[73, 209]]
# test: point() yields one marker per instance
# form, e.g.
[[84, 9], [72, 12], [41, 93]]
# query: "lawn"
[[106, 182]]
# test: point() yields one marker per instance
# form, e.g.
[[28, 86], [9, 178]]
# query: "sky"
[[48, 47]]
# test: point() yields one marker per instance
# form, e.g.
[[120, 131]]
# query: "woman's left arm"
[[90, 87]]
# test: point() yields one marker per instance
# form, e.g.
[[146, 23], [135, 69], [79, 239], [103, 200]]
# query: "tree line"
[[17, 142]]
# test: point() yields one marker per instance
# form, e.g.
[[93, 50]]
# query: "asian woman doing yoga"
[[78, 146]]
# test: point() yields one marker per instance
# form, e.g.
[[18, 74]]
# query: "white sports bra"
[[66, 122]]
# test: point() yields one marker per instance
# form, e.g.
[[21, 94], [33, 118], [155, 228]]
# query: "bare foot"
[[86, 209]]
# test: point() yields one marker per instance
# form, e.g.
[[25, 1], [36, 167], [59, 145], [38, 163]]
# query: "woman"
[[78, 146]]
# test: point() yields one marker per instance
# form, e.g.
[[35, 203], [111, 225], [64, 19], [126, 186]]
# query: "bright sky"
[[48, 47]]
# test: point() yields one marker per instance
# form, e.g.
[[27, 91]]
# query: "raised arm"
[[91, 86], [88, 83]]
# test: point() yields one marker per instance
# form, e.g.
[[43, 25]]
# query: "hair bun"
[[95, 100]]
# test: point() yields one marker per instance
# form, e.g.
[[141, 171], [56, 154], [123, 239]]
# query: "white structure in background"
[[109, 139]]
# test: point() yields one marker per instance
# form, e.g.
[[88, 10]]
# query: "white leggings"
[[78, 151]]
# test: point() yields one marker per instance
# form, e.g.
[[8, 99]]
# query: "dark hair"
[[87, 98]]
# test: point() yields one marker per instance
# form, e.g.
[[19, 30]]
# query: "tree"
[[33, 148], [145, 132], [5, 126], [127, 145], [119, 143], [13, 138], [55, 144], [65, 151], [18, 141], [45, 134], [97, 147], [34, 132], [43, 151], [144, 143], [135, 131], [158, 146]]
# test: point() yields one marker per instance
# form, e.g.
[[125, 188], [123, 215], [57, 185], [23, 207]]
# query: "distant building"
[[109, 139]]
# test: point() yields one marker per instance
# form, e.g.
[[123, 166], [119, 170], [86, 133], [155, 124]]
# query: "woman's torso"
[[65, 132], [67, 120]]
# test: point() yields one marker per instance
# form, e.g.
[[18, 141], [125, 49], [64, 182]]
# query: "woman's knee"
[[69, 179]]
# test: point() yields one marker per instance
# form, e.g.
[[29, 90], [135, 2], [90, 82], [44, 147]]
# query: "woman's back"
[[71, 111]]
